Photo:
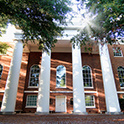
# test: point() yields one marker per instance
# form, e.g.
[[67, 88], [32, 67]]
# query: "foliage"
[[39, 19], [105, 22], [3, 48]]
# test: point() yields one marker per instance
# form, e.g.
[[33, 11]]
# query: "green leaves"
[[3, 48], [107, 26], [39, 19]]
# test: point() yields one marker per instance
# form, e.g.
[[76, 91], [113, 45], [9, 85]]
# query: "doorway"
[[60, 103]]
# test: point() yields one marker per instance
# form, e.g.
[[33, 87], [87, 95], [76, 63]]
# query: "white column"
[[9, 98], [44, 84], [78, 86], [111, 97]]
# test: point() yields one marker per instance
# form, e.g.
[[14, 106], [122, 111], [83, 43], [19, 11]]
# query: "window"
[[0, 103], [31, 100], [89, 101], [87, 76], [117, 51], [34, 75], [1, 69], [71, 101], [60, 76], [51, 101], [121, 76]]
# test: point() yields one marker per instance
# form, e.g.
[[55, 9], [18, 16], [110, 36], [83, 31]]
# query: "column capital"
[[18, 36]]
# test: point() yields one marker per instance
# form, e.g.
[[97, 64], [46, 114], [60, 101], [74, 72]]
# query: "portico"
[[43, 99]]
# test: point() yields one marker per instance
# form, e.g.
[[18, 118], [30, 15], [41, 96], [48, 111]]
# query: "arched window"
[[121, 76], [87, 78], [34, 75], [1, 69], [60, 76]]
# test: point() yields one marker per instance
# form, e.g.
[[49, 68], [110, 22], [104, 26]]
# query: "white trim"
[[30, 77], [30, 91], [118, 56], [61, 87], [27, 101], [60, 92], [32, 86], [119, 70], [91, 77], [2, 91], [56, 102], [120, 91], [90, 92], [65, 76], [93, 100], [30, 106], [91, 106], [88, 87]]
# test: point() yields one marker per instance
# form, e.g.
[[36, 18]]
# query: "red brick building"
[[66, 79]]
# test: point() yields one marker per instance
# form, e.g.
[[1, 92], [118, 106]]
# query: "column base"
[[41, 113], [80, 113], [114, 113], [7, 113]]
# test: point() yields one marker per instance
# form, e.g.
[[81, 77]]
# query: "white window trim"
[[27, 101], [121, 53], [94, 102], [30, 106], [60, 87], [91, 78], [65, 77], [91, 106], [60, 91], [30, 77], [31, 91], [2, 91], [120, 92], [32, 86], [118, 56], [119, 78], [88, 87]]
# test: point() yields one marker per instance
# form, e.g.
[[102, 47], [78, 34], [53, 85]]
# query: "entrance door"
[[60, 103]]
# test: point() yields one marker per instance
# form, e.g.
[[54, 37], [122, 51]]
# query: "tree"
[[3, 48], [104, 24], [38, 19]]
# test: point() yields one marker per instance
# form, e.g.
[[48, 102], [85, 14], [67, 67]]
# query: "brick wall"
[[34, 58], [22, 78], [116, 62], [93, 60], [5, 61], [65, 59]]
